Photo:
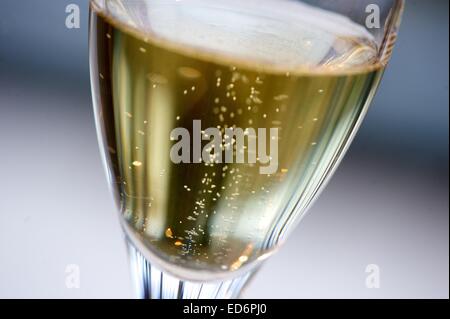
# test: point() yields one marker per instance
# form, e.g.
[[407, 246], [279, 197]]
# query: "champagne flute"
[[220, 122]]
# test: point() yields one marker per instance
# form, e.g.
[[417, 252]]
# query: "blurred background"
[[387, 204]]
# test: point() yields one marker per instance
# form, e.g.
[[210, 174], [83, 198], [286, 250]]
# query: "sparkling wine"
[[161, 65]]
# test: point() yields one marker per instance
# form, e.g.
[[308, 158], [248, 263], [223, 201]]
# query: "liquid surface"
[[159, 65]]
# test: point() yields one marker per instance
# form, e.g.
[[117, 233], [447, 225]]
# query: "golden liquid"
[[220, 217]]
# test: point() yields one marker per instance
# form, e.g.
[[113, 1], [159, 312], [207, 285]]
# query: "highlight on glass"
[[221, 121]]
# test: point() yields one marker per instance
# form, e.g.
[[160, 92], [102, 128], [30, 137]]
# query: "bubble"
[[281, 97], [156, 78], [243, 259], [189, 73], [168, 233], [137, 163], [257, 100]]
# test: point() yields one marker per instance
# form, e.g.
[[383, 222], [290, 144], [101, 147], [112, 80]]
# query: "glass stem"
[[152, 283]]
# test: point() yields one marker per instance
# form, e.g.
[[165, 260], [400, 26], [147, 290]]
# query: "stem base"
[[152, 283]]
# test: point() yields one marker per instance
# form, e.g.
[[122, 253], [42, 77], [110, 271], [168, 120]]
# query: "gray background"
[[387, 204]]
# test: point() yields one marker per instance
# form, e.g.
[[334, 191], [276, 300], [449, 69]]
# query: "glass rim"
[[385, 46]]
